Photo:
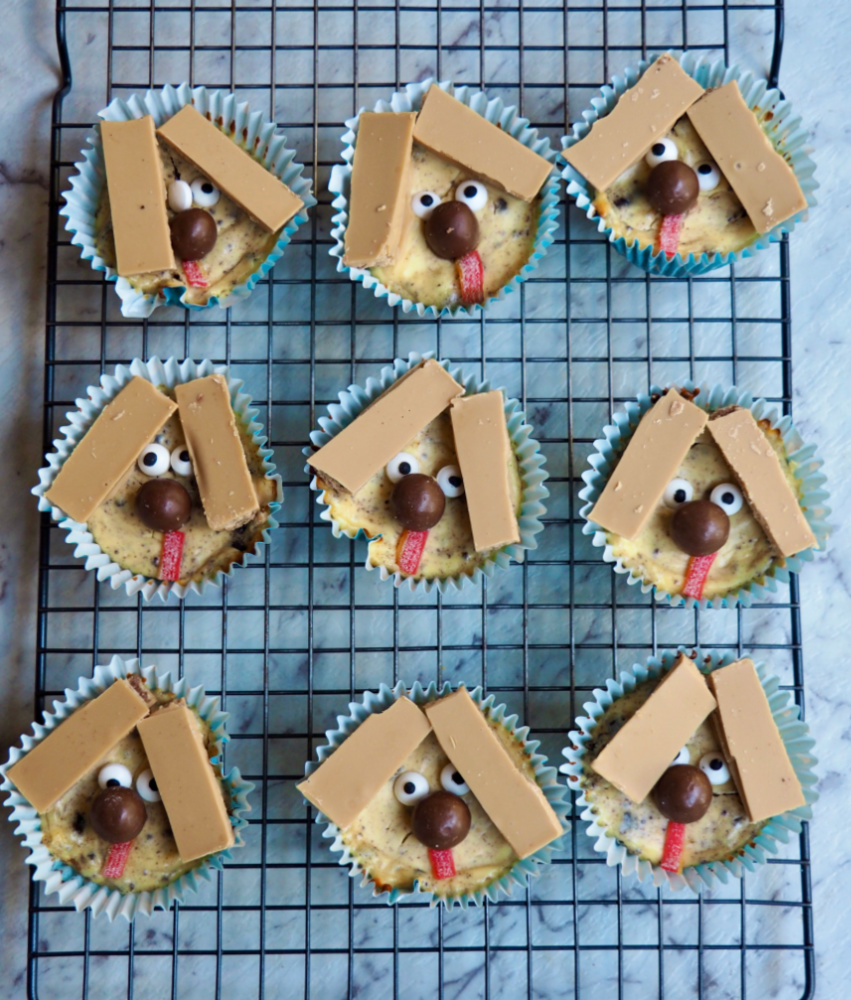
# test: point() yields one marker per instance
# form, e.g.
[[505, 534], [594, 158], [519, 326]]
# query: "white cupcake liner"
[[495, 111], [780, 124], [527, 450], [609, 449], [62, 879], [545, 775], [796, 739], [258, 137], [167, 373]]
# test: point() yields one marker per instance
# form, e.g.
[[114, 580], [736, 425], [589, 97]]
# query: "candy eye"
[[452, 781], [204, 193], [112, 775], [179, 196], [708, 176], [146, 786], [664, 149], [181, 464], [450, 481], [424, 204], [678, 491], [683, 757], [473, 194], [410, 787], [728, 497], [714, 768], [154, 460], [402, 465]]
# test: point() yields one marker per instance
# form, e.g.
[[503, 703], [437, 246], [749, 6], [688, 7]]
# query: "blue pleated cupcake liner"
[[811, 479], [68, 884], [778, 830], [258, 137], [495, 111], [526, 449], [545, 775], [166, 373], [778, 121]]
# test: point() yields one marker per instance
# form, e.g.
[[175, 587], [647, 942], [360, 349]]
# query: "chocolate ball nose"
[[163, 504], [441, 820], [193, 233], [699, 527], [683, 793], [418, 502], [118, 814], [452, 230], [672, 187]]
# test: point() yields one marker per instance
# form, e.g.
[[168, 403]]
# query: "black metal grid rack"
[[292, 639]]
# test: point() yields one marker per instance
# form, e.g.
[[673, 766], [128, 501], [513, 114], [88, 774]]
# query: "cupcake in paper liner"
[[454, 204], [703, 496], [439, 473], [104, 821], [708, 817], [709, 165], [392, 776], [197, 244], [162, 478]]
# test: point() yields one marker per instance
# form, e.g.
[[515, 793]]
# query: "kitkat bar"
[[79, 743], [515, 804], [352, 457], [237, 174], [484, 453], [380, 199], [350, 778], [763, 181], [137, 196], [757, 469], [642, 749], [651, 460], [457, 133], [751, 743], [189, 787], [101, 461], [215, 447], [642, 116]]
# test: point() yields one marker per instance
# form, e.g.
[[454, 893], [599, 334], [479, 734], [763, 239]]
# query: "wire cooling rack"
[[289, 641]]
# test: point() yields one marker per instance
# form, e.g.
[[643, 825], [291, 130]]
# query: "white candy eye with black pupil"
[[113, 775], [713, 766], [424, 203], [473, 194], [146, 786], [683, 757], [708, 176], [410, 787], [677, 492], [154, 460], [452, 781], [450, 481], [204, 193], [664, 149], [181, 464], [402, 465], [179, 196], [728, 497]]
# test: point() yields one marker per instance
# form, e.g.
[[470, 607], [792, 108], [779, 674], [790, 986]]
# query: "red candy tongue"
[[442, 863], [471, 277], [669, 234], [675, 837], [409, 550], [113, 867], [172, 554], [195, 274], [696, 573]]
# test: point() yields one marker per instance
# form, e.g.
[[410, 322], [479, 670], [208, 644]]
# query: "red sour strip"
[[669, 234], [409, 551], [696, 573], [675, 838], [171, 555], [113, 867], [194, 274], [471, 278], [442, 863]]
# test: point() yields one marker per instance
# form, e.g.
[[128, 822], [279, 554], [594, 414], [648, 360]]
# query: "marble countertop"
[[815, 75]]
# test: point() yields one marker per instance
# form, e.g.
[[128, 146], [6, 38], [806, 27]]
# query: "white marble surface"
[[815, 74]]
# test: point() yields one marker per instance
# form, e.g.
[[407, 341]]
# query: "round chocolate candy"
[[452, 230], [699, 527], [118, 814], [418, 502], [441, 820], [193, 233], [672, 187], [683, 793], [163, 505]]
